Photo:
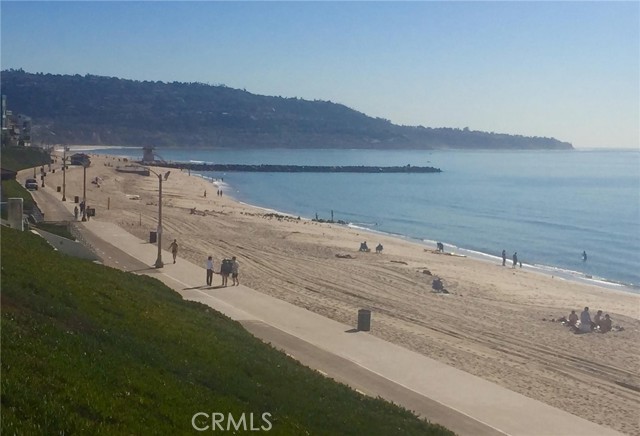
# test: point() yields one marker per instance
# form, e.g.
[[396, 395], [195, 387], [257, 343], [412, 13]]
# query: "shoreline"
[[540, 267], [547, 270], [494, 323]]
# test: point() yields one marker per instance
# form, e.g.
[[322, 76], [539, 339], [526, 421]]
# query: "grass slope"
[[19, 158], [86, 348]]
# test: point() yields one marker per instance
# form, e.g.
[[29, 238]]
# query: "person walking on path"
[[504, 257], [234, 271], [515, 259], [174, 249], [209, 265], [75, 212]]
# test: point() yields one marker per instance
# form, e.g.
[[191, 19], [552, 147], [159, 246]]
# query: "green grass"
[[90, 349], [13, 189], [56, 229], [19, 158]]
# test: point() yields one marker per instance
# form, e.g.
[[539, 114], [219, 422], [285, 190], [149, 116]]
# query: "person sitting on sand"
[[597, 319], [573, 318], [585, 321], [379, 248], [363, 246], [605, 324]]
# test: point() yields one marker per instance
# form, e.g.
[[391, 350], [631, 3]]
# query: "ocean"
[[548, 206]]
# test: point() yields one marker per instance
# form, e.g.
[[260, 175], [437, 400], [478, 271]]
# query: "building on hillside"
[[4, 112], [16, 129]]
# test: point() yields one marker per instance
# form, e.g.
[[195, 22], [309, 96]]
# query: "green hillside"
[[88, 349]]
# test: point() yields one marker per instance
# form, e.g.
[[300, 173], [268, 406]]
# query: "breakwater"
[[294, 168]]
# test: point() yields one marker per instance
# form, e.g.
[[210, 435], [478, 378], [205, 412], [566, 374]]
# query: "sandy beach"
[[495, 323]]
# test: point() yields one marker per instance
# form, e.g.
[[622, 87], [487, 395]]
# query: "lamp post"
[[159, 263], [84, 191], [64, 174]]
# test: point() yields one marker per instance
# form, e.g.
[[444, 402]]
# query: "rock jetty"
[[295, 168]]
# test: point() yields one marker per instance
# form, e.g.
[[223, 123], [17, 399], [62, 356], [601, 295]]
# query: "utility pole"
[[84, 192], [64, 174]]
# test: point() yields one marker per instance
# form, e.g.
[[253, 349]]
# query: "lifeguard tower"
[[148, 155]]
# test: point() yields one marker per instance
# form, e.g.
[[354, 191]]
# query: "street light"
[[64, 173], [84, 191], [159, 263]]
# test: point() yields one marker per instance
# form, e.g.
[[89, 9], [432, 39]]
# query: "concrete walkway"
[[487, 403], [460, 401]]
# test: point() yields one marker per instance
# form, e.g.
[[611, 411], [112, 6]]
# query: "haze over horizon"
[[568, 70]]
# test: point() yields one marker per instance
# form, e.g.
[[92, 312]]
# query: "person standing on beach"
[[235, 266], [515, 259], [174, 249], [504, 257], [209, 265]]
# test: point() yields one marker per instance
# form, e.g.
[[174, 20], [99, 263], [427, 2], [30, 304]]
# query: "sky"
[[568, 70]]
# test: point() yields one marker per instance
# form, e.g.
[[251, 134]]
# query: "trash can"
[[364, 320], [153, 237], [59, 189], [76, 199], [91, 211]]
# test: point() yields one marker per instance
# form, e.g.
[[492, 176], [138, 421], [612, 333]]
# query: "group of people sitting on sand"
[[584, 324], [365, 248]]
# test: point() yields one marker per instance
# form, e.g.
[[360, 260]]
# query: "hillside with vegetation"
[[88, 349], [100, 110]]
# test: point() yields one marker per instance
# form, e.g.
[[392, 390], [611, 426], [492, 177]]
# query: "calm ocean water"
[[548, 206]]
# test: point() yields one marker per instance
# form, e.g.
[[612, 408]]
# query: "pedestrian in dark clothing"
[[504, 257], [515, 259]]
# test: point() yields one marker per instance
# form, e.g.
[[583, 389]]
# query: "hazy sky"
[[568, 70]]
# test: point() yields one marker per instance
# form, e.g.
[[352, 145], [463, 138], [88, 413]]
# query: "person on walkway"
[[515, 259], [585, 321], [235, 266], [504, 257], [174, 249], [209, 265], [225, 270], [75, 212]]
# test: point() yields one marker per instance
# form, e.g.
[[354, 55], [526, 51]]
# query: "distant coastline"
[[97, 110]]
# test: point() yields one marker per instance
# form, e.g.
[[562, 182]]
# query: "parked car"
[[31, 184]]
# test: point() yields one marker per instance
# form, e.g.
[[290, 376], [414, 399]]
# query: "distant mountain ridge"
[[97, 110]]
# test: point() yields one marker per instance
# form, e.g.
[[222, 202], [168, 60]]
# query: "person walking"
[[515, 259], [75, 212], [504, 257], [209, 265], [174, 249], [234, 271]]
